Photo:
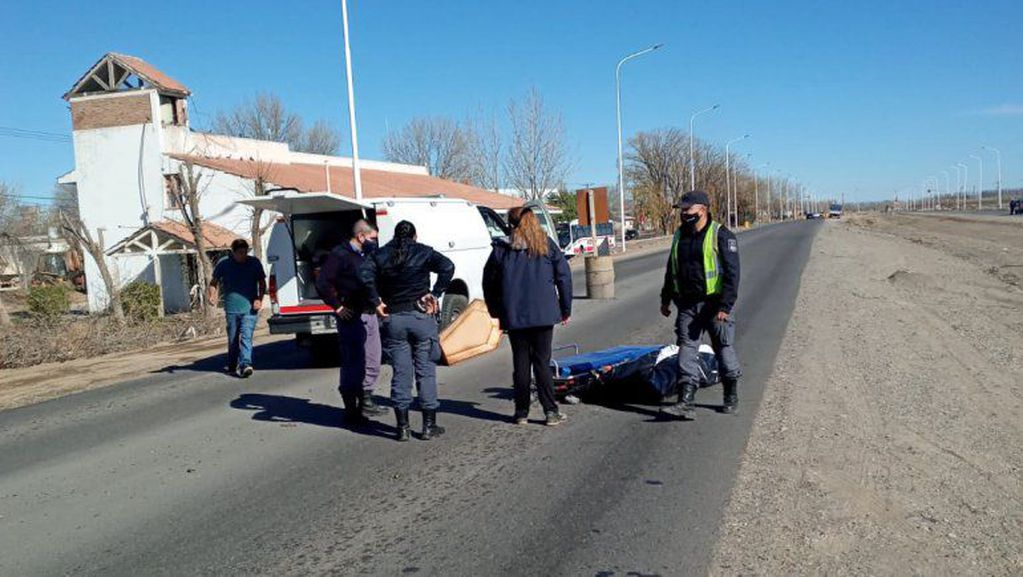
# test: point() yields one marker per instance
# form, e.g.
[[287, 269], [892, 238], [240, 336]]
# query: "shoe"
[[555, 418], [520, 420], [369, 406], [683, 409], [401, 418], [245, 372], [353, 414], [430, 428], [730, 406]]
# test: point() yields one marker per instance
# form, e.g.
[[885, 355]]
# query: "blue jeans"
[[410, 339], [239, 338]]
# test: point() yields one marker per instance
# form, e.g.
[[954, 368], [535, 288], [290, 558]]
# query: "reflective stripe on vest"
[[711, 263]]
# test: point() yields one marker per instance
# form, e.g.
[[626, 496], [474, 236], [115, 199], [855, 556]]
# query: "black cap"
[[693, 197]]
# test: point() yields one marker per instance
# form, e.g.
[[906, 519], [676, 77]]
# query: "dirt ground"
[[890, 437]]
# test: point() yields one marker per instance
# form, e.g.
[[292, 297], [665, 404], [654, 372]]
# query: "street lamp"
[[998, 157], [966, 179], [618, 112], [357, 175], [756, 193], [692, 157], [728, 179], [959, 175], [948, 184], [980, 182]]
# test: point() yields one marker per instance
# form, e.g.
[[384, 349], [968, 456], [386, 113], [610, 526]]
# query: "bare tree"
[[485, 152], [266, 118], [257, 228], [440, 144], [537, 158], [189, 188], [320, 138], [5, 319], [78, 235], [658, 171]]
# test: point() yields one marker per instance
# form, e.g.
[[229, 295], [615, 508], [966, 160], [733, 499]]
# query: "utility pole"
[[998, 158], [357, 175]]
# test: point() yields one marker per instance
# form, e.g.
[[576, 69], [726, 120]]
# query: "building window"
[[172, 191]]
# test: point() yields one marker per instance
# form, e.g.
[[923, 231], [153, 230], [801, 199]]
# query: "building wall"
[[119, 181]]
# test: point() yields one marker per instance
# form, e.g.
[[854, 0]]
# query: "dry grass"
[[32, 341]]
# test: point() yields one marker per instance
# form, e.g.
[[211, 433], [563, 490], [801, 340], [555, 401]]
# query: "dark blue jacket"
[[338, 282], [523, 291], [399, 286]]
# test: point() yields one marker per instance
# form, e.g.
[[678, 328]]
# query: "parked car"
[[312, 224], [631, 234]]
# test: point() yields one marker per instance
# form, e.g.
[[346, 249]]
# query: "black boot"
[[401, 417], [731, 398], [683, 409], [353, 414], [430, 428], [369, 406]]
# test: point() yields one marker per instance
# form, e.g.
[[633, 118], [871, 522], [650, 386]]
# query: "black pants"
[[531, 349]]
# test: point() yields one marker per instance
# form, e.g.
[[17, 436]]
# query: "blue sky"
[[861, 98]]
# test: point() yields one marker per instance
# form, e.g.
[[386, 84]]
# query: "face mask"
[[690, 220], [369, 245]]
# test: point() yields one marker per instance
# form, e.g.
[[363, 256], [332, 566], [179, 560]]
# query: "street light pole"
[[357, 175], [959, 175], [728, 184], [948, 184], [966, 180], [618, 113], [980, 182], [756, 194], [692, 156], [998, 158]]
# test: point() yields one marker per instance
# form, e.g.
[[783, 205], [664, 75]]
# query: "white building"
[[131, 135]]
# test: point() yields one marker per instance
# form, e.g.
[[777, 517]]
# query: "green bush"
[[48, 300], [141, 301]]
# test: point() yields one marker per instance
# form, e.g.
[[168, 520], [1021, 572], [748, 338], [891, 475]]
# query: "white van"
[[312, 224]]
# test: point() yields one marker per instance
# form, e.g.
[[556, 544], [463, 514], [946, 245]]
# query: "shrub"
[[48, 300], [141, 301]]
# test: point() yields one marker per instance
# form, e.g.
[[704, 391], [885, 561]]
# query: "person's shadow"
[[283, 409]]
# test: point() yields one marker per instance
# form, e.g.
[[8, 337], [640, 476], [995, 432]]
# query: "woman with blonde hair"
[[528, 287]]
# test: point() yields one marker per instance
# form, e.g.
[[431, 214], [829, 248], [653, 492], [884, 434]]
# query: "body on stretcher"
[[655, 365]]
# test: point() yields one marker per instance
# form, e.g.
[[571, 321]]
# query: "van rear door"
[[316, 222]]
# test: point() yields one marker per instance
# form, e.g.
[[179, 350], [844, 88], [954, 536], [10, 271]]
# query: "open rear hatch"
[[317, 222]]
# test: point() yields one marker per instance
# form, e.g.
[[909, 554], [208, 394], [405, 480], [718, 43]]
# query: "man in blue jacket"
[[702, 279]]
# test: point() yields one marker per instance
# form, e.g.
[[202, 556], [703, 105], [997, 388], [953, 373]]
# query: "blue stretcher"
[[574, 374]]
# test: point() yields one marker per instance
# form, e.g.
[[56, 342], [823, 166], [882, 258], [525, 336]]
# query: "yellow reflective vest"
[[711, 264]]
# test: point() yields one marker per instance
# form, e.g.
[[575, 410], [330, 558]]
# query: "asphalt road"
[[193, 472]]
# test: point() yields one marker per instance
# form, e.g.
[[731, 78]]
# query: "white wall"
[[120, 181]]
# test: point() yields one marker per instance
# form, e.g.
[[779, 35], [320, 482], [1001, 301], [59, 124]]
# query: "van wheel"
[[453, 306]]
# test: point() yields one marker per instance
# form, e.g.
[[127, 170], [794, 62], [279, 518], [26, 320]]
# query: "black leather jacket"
[[401, 285]]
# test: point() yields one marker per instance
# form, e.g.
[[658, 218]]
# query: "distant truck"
[[835, 211]]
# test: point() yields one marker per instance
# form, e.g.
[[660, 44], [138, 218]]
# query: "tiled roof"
[[375, 183], [138, 67], [147, 71], [217, 237]]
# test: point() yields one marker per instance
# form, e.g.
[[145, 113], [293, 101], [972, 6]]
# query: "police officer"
[[702, 279], [397, 280], [357, 326]]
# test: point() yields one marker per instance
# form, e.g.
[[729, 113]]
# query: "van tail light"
[[381, 212], [271, 288]]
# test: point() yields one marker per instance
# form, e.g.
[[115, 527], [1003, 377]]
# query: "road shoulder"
[[889, 438]]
